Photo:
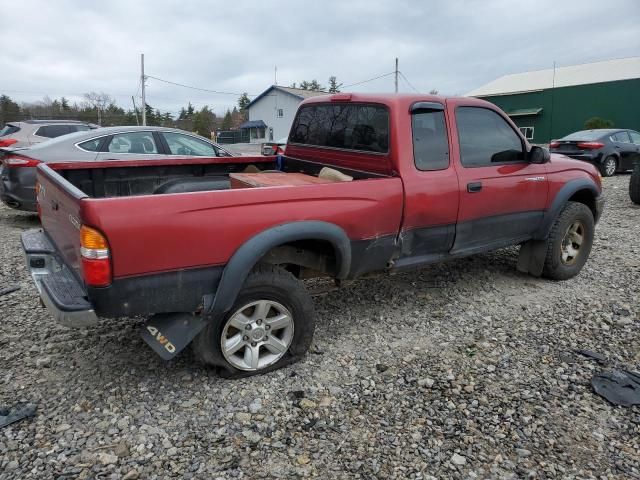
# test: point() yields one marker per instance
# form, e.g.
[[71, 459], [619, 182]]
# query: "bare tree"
[[99, 102]]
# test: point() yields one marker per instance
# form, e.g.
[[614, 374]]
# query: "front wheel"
[[270, 325], [569, 242], [609, 166]]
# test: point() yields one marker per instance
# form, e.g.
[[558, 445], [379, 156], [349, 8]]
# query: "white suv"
[[30, 132]]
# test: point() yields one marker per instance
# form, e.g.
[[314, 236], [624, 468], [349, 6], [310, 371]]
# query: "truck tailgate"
[[60, 204]]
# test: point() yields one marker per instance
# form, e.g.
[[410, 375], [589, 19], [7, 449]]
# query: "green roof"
[[521, 112]]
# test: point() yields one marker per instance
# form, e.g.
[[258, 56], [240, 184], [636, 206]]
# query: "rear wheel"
[[634, 185], [569, 242], [270, 325], [609, 166]]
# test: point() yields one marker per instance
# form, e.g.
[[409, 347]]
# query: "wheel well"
[[304, 258], [587, 198]]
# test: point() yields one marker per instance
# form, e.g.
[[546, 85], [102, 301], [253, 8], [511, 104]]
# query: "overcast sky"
[[67, 47]]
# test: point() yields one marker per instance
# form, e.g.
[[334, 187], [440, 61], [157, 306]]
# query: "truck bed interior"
[[123, 181]]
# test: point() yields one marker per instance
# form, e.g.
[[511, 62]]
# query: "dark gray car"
[[18, 169]]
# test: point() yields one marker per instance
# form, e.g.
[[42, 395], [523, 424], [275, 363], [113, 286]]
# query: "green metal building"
[[549, 104]]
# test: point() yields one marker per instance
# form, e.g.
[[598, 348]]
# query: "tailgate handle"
[[474, 187], [54, 205]]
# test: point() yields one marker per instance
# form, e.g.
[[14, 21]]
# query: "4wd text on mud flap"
[[162, 340]]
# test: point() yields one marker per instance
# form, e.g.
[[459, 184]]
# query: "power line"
[[406, 80], [370, 80], [196, 88]]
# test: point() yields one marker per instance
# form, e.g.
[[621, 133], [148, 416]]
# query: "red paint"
[[156, 233]]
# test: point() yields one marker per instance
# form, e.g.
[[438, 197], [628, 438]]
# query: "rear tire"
[[609, 166], [569, 242], [634, 185], [270, 325]]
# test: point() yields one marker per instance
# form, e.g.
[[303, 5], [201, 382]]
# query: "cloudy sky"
[[70, 47]]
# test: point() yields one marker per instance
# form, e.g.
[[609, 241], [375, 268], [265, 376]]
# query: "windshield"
[[587, 135]]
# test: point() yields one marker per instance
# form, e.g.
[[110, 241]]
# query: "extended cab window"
[[350, 127], [486, 138], [53, 131], [430, 144]]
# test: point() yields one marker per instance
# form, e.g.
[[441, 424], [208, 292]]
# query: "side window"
[[621, 137], [79, 128], [91, 145], [133, 142], [280, 113], [430, 143], [190, 146], [635, 137], [53, 131], [486, 138]]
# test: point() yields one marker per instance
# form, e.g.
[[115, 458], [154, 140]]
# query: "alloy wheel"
[[572, 242], [257, 335]]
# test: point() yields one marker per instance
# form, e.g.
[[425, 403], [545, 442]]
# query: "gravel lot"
[[463, 370]]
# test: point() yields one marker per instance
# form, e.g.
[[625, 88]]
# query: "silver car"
[[31, 132], [18, 170]]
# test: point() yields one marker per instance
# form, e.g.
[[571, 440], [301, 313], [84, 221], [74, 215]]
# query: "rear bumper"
[[60, 291], [17, 188]]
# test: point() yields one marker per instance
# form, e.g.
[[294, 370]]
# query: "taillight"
[[590, 145], [7, 142], [19, 161], [554, 144], [38, 188], [96, 261]]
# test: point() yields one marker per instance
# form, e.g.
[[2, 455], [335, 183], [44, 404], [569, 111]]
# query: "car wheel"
[[634, 185], [569, 242], [270, 325], [609, 166]]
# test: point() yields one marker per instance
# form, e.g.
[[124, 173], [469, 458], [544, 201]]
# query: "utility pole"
[[396, 72], [135, 110], [142, 81]]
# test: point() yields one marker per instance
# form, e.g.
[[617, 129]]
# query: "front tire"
[[270, 325], [569, 242], [609, 166]]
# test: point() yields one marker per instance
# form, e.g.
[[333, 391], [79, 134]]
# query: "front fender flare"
[[559, 202], [250, 253]]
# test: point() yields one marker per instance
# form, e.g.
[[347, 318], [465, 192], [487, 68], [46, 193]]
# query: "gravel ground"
[[464, 370]]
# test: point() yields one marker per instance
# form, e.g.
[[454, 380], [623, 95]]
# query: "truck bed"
[[108, 180], [163, 219]]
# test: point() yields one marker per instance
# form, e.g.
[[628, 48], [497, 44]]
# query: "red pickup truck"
[[215, 250]]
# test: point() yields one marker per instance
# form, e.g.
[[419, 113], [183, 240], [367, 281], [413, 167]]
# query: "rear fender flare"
[[559, 202], [250, 253]]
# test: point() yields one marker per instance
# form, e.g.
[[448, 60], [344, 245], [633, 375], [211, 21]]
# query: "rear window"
[[586, 135], [53, 131], [8, 130], [349, 127]]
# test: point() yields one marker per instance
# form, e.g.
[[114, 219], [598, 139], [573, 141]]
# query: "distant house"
[[548, 104], [271, 113]]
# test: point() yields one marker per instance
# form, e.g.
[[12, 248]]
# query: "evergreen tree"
[[227, 122], [334, 87]]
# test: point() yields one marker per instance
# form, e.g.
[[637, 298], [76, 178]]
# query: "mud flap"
[[169, 333], [532, 256]]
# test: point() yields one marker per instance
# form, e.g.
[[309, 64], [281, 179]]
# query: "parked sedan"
[[611, 150], [18, 172]]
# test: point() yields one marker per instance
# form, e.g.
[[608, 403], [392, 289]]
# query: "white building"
[[272, 112]]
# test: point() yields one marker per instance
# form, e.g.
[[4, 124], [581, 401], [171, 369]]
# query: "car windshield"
[[587, 135], [69, 137]]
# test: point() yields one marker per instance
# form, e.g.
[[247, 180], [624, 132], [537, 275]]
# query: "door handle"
[[474, 187]]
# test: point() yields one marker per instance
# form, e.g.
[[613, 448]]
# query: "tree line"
[[102, 109]]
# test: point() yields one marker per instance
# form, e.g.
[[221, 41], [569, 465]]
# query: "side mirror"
[[538, 155]]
